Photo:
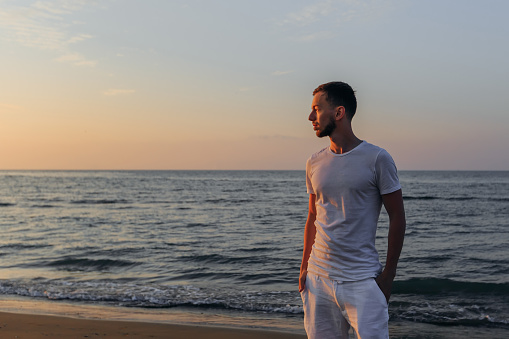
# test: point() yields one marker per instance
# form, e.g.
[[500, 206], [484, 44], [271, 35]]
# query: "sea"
[[230, 243]]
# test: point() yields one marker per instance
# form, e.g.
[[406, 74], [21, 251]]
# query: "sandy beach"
[[30, 326], [30, 319], [34, 326]]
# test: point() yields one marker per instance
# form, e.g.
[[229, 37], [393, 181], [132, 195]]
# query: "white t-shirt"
[[349, 189]]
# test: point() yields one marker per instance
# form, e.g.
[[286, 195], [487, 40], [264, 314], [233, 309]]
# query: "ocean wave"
[[112, 253], [424, 197], [434, 286], [431, 197], [223, 259], [437, 310], [255, 249], [431, 259], [228, 201], [155, 296], [85, 264], [99, 201], [450, 314], [195, 224], [21, 246], [498, 199]]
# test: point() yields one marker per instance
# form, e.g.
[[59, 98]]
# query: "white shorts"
[[331, 308]]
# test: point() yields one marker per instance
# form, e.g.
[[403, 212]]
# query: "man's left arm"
[[393, 203]]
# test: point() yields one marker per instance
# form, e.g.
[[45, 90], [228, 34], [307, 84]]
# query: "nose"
[[312, 116]]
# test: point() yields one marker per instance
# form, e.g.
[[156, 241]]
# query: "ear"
[[340, 112]]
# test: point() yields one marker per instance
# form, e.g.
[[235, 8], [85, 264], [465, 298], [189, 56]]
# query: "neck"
[[343, 141]]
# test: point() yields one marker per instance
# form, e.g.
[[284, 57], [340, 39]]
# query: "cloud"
[[76, 59], [61, 6], [116, 91], [43, 25], [310, 13], [79, 38], [278, 73], [323, 35], [334, 11], [330, 15]]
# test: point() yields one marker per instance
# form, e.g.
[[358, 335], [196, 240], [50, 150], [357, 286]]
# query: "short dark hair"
[[339, 94]]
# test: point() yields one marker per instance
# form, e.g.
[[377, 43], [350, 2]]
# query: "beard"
[[329, 128]]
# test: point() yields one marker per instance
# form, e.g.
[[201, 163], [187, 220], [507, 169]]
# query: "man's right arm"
[[309, 240]]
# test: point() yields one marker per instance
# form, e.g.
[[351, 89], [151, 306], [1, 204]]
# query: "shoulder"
[[370, 148], [314, 160], [317, 155], [378, 153], [385, 171]]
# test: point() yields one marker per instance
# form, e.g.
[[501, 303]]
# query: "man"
[[342, 282]]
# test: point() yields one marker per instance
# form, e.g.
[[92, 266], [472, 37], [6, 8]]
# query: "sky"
[[227, 84]]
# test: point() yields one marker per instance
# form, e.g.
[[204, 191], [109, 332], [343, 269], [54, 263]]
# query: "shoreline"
[[29, 318], [31, 326], [32, 319]]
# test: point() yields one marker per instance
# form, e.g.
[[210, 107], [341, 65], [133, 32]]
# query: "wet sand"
[[32, 326], [28, 319]]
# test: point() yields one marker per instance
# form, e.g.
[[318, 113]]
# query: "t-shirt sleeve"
[[309, 186], [386, 173]]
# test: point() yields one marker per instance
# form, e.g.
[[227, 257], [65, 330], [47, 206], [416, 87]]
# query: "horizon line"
[[239, 170]]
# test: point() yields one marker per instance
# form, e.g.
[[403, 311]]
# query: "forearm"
[[309, 233], [397, 226], [394, 205], [309, 240]]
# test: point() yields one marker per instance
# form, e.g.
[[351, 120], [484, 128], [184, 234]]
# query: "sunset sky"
[[132, 84]]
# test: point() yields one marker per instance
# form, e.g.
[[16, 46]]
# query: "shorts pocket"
[[380, 293]]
